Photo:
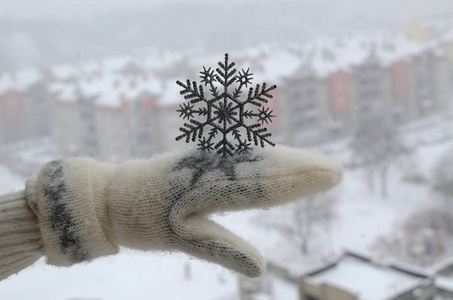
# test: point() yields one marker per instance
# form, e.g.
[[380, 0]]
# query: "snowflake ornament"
[[222, 121]]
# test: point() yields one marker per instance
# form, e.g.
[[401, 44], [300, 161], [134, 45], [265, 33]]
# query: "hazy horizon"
[[47, 32], [30, 9]]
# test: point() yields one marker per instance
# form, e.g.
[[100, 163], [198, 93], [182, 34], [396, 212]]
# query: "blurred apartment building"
[[109, 116], [123, 107], [345, 82], [23, 96], [325, 90]]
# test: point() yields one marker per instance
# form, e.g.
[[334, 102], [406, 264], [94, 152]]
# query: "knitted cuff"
[[20, 239], [70, 199]]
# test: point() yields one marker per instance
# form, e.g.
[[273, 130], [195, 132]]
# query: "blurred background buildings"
[[122, 107]]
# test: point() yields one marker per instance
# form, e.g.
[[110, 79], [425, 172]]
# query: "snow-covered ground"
[[361, 218], [130, 275], [9, 181]]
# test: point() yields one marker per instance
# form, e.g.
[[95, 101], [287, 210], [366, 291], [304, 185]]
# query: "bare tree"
[[377, 145], [301, 221], [425, 238]]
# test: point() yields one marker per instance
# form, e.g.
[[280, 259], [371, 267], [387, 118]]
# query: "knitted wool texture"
[[20, 239], [88, 209]]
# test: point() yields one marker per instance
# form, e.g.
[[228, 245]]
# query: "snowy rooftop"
[[444, 283], [171, 94], [277, 66], [149, 61], [269, 63], [109, 90], [64, 92], [269, 69], [20, 80], [325, 56], [444, 277], [366, 279], [65, 72]]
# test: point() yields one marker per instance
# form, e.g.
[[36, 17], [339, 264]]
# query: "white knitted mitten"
[[87, 209]]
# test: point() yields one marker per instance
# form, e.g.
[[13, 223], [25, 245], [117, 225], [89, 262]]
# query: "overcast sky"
[[84, 8]]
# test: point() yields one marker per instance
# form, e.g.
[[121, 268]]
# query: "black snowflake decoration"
[[224, 115]]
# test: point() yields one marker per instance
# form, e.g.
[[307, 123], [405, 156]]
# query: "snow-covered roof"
[[65, 92], [444, 283], [397, 48], [170, 95], [277, 66], [108, 90], [366, 279], [150, 61], [111, 90], [20, 80], [444, 277], [443, 266], [65, 72], [90, 67], [269, 63], [328, 55]]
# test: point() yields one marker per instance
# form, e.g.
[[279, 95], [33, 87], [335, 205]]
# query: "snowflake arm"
[[258, 135], [244, 78], [264, 115], [186, 111], [192, 92], [207, 76], [256, 96], [225, 73], [205, 145], [194, 130]]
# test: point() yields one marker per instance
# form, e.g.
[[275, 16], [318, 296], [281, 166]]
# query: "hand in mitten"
[[86, 209]]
